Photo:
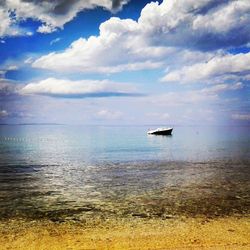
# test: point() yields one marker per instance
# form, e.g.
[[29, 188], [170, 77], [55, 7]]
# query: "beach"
[[179, 233]]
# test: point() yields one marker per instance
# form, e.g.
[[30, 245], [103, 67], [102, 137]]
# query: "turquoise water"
[[60, 171], [92, 145]]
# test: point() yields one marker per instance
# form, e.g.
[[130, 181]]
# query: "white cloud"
[[8, 87], [205, 25], [3, 113], [45, 28], [245, 117], [109, 115], [56, 40], [52, 14], [159, 116], [12, 67], [5, 23], [201, 114], [183, 98], [29, 33], [150, 42], [169, 35], [118, 48], [9, 23], [29, 60], [193, 97], [218, 66], [6, 68], [222, 87], [82, 88], [221, 20]]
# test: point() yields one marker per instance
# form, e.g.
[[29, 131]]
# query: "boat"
[[161, 131]]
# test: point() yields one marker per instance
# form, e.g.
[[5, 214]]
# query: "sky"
[[125, 62]]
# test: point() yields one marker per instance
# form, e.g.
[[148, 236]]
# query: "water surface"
[[80, 172]]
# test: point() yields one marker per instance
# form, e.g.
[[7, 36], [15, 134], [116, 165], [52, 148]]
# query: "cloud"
[[46, 28], [172, 99], [9, 23], [209, 95], [194, 41], [29, 60], [203, 25], [109, 115], [199, 114], [77, 89], [118, 48], [218, 66], [5, 23], [152, 41], [9, 100], [56, 40], [51, 14], [8, 87], [3, 113], [12, 68], [221, 88], [159, 116], [245, 117], [6, 68]]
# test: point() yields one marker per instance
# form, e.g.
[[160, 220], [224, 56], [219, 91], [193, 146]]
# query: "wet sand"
[[136, 233]]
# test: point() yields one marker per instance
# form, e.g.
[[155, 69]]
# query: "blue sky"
[[125, 62]]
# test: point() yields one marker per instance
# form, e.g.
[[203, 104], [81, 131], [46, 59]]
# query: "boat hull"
[[162, 132]]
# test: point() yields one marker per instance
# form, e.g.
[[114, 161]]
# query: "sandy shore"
[[185, 233]]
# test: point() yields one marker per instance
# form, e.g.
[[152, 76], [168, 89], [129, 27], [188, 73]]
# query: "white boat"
[[161, 131]]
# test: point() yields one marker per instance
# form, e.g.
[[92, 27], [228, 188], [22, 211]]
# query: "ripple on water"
[[139, 189]]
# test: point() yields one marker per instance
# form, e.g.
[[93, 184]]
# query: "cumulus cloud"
[[52, 14], [9, 23], [5, 22], [119, 47], [46, 28], [222, 65], [125, 44], [77, 89], [190, 39], [204, 25]]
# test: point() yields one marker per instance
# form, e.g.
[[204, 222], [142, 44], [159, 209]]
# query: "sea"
[[71, 172]]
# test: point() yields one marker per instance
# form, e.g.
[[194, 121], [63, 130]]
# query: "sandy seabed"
[[134, 233]]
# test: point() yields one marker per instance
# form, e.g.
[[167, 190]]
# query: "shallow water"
[[77, 172]]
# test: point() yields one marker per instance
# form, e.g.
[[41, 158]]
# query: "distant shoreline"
[[130, 125], [29, 124]]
